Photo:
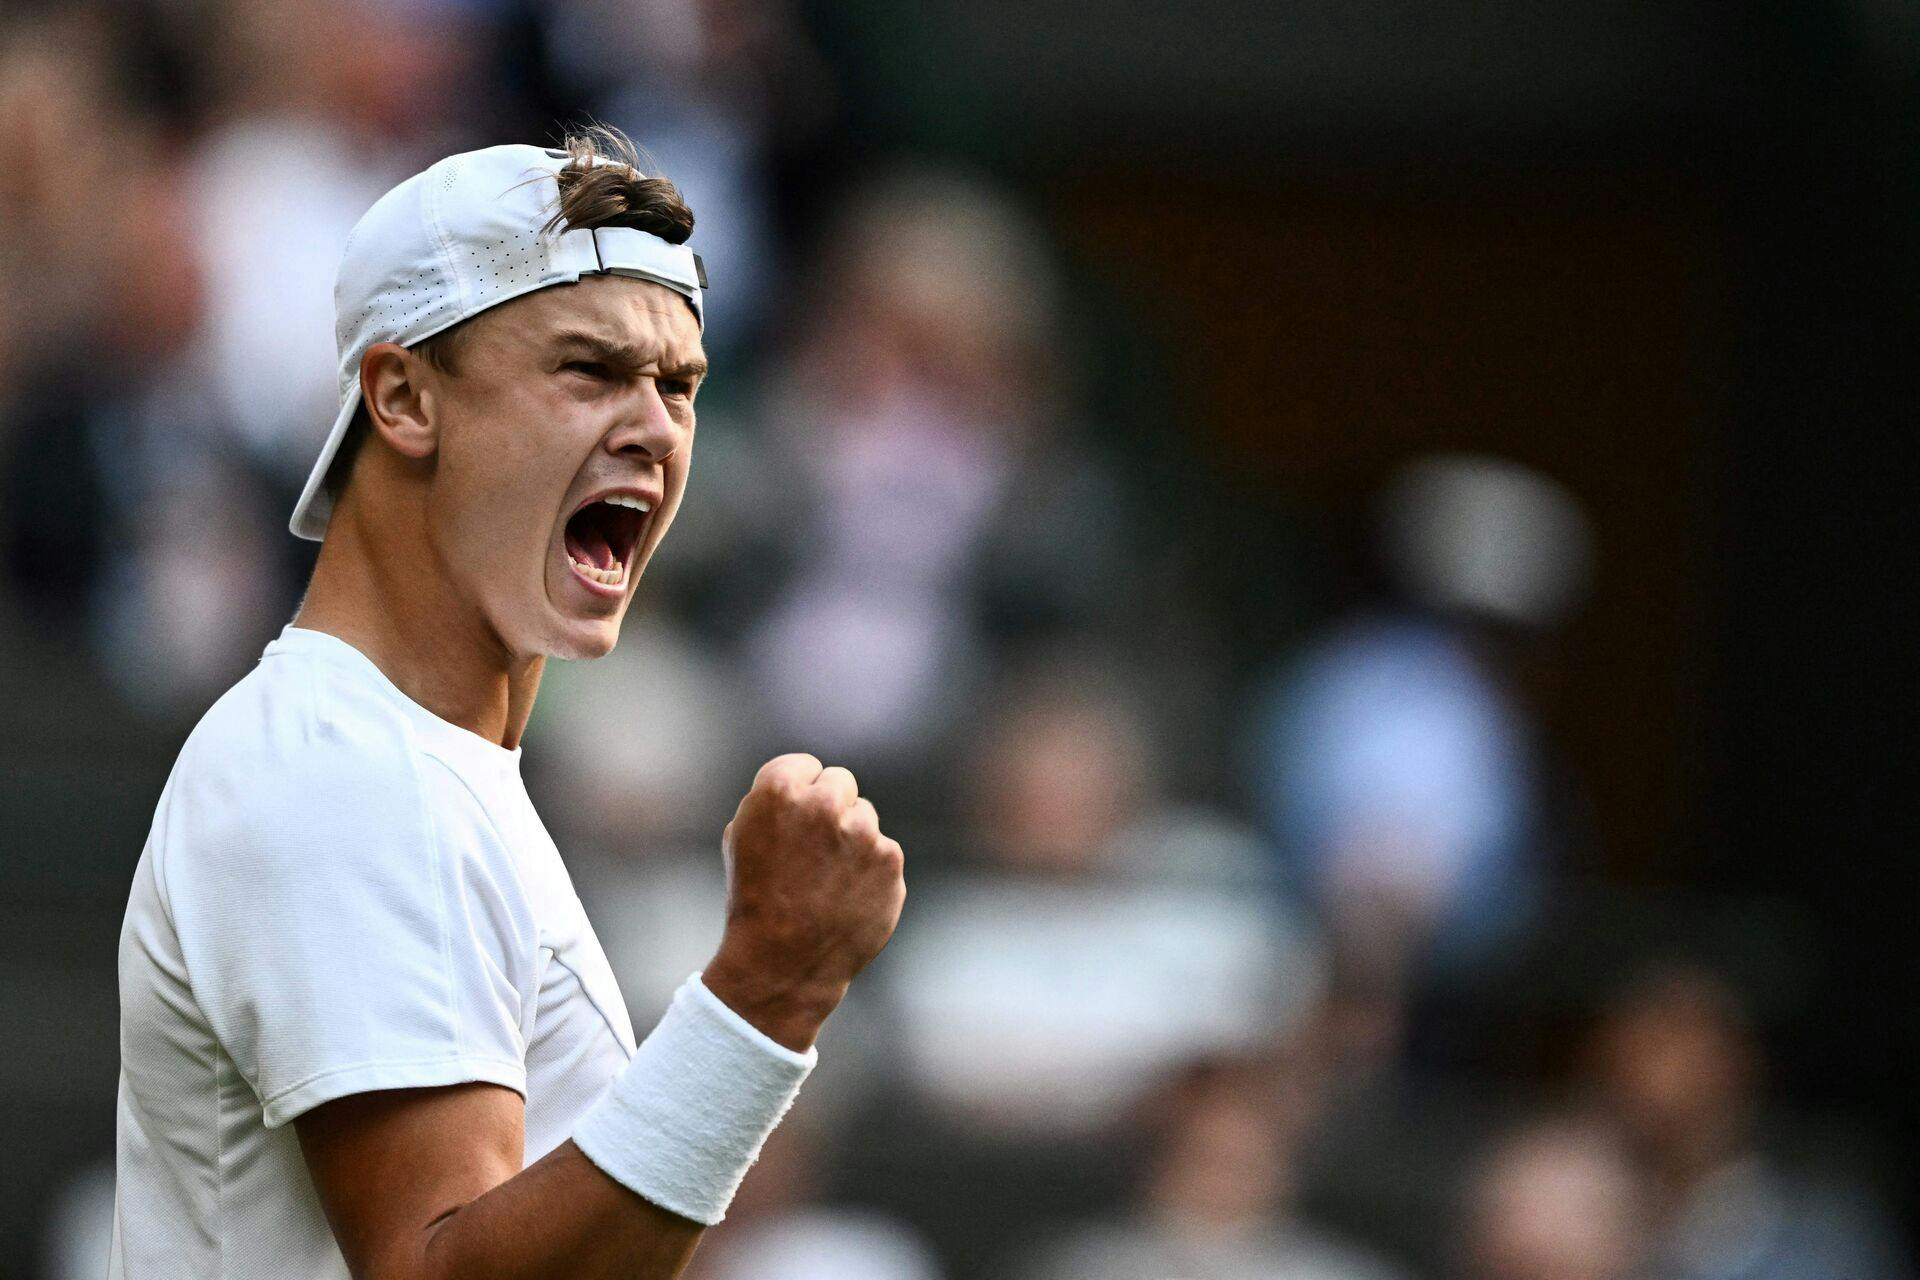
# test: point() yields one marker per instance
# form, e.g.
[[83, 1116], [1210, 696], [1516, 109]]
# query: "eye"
[[586, 368], [676, 388]]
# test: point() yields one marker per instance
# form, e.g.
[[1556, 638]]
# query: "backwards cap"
[[447, 244]]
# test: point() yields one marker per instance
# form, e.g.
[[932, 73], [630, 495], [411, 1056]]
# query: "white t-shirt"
[[341, 892]]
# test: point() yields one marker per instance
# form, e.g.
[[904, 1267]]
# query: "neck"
[[380, 591]]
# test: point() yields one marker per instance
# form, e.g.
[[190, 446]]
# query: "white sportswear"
[[341, 892]]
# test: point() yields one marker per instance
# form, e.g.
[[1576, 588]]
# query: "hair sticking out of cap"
[[603, 185]]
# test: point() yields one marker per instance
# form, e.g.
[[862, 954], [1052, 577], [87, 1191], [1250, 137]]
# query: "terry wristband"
[[685, 1119]]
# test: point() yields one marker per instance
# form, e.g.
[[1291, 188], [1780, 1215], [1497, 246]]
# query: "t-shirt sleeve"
[[351, 921]]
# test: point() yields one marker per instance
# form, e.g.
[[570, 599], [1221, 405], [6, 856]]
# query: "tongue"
[[587, 543]]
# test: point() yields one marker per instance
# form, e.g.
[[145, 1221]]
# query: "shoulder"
[[300, 769], [295, 710], [295, 733], [305, 794]]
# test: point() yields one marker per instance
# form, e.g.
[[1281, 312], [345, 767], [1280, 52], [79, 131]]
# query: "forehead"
[[620, 309]]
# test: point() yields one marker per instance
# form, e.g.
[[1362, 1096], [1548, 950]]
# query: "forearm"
[[560, 1217], [428, 1185], [660, 1154]]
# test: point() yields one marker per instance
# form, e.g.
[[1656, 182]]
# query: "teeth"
[[624, 500], [613, 577]]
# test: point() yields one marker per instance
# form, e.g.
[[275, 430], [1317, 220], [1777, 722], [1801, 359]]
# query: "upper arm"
[[389, 1166], [426, 1184]]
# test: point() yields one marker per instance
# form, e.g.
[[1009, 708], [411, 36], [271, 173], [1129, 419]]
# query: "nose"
[[646, 428]]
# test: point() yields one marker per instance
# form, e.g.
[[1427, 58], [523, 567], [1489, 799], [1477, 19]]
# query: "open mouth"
[[601, 538]]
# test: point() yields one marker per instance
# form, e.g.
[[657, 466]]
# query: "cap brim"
[[315, 508]]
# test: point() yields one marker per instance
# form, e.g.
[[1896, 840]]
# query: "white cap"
[[447, 244], [1473, 532]]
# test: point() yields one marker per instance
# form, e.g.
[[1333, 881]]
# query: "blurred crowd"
[[1215, 962]]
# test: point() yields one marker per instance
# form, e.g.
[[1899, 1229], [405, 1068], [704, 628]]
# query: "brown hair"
[[601, 185]]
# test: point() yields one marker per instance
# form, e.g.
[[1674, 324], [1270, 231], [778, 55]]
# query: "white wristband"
[[685, 1119]]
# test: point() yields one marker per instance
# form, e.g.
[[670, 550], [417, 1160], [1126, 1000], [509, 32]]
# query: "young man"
[[366, 1028]]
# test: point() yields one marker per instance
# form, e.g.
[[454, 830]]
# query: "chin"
[[581, 640], [544, 631], [570, 620]]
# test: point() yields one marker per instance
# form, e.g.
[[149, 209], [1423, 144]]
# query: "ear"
[[392, 385]]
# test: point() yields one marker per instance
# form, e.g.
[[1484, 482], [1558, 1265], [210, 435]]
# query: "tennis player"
[[366, 1028]]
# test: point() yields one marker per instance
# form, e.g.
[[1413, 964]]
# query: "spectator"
[[711, 87], [781, 1228], [1556, 1199], [127, 523], [332, 102], [1042, 987], [918, 419], [1677, 1060], [1218, 1199], [642, 748], [1394, 764]]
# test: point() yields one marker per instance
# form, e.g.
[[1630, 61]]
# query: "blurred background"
[[1356, 544]]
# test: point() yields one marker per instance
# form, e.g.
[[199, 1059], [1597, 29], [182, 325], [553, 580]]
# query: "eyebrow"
[[625, 353]]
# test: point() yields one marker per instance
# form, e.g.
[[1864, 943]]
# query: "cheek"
[[677, 470], [502, 475], [676, 488]]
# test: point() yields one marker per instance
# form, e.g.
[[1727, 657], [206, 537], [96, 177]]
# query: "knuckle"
[[796, 768]]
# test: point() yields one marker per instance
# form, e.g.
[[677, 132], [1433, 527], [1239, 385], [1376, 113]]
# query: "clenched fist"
[[813, 892]]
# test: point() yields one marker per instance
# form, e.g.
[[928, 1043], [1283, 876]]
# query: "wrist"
[[685, 1119], [787, 1011]]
